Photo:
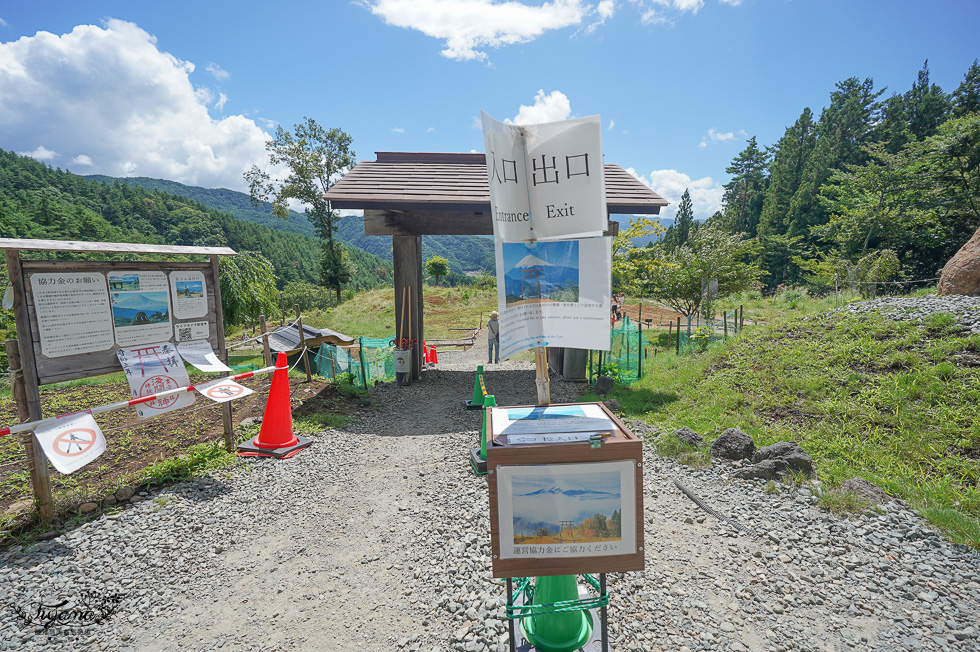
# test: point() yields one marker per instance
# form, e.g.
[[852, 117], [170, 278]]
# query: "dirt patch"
[[134, 444]]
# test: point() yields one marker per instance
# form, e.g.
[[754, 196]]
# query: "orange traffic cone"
[[433, 355], [276, 438]]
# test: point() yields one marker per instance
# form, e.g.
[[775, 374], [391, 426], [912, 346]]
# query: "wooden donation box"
[[566, 491]]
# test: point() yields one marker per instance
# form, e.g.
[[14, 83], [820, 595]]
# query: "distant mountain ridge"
[[464, 253]]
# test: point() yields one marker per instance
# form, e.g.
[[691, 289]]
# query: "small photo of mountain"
[[190, 289], [140, 308], [541, 271], [567, 508], [124, 282]]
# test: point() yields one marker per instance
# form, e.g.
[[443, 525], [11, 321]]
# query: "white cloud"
[[604, 11], [3, 23], [431, 130], [216, 70], [110, 92], [82, 159], [398, 130], [468, 27], [42, 153], [612, 124], [720, 137], [546, 108], [222, 100], [670, 184]]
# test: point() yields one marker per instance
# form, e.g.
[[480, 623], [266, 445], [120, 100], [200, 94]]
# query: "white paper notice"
[[152, 369], [549, 420], [191, 330], [73, 314], [200, 354], [140, 307], [223, 390], [553, 294], [72, 442], [189, 295], [546, 180]]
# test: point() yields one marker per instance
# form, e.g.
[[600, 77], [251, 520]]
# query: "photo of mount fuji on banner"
[[541, 272]]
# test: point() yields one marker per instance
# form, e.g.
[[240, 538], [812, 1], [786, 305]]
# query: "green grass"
[[864, 395]]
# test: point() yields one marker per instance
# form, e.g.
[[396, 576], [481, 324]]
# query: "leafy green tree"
[[845, 126], [954, 155], [437, 266], [676, 277], [616, 524], [926, 105], [678, 233], [315, 158], [248, 287], [745, 193], [599, 523], [966, 97]]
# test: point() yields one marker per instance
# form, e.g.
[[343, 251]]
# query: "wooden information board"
[[560, 505]]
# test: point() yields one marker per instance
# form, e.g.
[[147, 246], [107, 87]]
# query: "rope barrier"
[[33, 425], [258, 338]]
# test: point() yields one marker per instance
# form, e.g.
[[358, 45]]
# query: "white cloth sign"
[[546, 180], [200, 354], [72, 442], [554, 294], [223, 390], [155, 368]]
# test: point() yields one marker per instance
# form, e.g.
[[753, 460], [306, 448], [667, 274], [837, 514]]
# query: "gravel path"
[[377, 538]]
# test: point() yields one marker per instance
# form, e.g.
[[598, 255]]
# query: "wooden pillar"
[[29, 405], [226, 415], [302, 342], [266, 353], [406, 252]]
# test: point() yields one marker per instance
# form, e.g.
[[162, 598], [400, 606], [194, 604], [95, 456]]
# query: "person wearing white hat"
[[493, 338]]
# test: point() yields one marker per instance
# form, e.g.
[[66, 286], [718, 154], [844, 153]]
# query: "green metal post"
[[488, 402], [478, 387], [360, 343], [564, 631]]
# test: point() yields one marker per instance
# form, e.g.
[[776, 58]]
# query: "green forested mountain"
[[891, 185], [40, 202], [465, 253]]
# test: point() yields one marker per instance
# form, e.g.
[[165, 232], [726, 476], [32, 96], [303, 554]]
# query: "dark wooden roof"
[[443, 181], [287, 339]]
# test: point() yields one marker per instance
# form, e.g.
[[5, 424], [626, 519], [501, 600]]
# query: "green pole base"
[[565, 631]]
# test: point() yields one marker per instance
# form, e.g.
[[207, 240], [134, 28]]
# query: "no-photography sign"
[[72, 442]]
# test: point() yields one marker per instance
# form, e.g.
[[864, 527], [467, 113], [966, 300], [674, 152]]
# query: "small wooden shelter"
[[410, 194]]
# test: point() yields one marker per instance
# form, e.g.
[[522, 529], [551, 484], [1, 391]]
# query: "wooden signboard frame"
[[35, 369], [620, 445]]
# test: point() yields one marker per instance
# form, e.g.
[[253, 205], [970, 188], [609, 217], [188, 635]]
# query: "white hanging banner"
[[152, 369], [223, 390], [554, 294], [200, 354], [546, 180], [72, 442]]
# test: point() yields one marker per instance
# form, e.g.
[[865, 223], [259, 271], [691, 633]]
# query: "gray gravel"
[[964, 308], [377, 538]]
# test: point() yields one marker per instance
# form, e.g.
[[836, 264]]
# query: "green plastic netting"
[[370, 361], [624, 360]]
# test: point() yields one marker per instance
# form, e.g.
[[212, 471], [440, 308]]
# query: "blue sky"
[[190, 91]]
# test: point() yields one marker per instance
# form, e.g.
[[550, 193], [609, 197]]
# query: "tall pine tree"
[[745, 193]]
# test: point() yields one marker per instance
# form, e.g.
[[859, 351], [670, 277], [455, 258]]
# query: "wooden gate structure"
[[410, 194]]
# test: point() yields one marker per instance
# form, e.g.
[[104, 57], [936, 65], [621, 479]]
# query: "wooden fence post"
[[724, 318], [678, 336], [37, 462], [266, 353], [302, 342], [741, 320]]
